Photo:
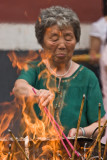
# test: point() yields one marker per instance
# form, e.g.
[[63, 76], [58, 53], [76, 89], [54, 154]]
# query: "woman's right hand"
[[45, 97], [22, 88]]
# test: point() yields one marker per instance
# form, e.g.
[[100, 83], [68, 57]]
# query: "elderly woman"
[[57, 78]]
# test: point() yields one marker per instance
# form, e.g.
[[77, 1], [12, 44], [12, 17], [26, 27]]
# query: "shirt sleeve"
[[30, 75], [95, 30], [93, 98]]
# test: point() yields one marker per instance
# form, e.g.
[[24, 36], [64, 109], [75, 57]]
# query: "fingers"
[[45, 97], [72, 132], [45, 102]]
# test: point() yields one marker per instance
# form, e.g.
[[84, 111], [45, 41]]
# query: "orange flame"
[[41, 132]]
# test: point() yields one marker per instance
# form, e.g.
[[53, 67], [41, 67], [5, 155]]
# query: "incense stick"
[[12, 156], [8, 157], [78, 125], [105, 151], [21, 149]]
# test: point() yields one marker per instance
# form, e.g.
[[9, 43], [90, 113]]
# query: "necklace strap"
[[59, 75]]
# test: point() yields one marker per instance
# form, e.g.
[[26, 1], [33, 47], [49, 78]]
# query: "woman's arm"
[[95, 44], [88, 130], [23, 88]]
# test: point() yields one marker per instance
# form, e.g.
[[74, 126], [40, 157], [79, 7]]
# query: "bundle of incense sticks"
[[52, 120]]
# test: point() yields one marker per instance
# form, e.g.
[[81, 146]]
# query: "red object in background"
[[26, 11]]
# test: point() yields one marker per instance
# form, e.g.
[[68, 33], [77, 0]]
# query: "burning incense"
[[62, 132], [99, 124], [8, 157], [58, 133], [21, 149], [97, 139], [78, 125], [9, 147], [105, 151]]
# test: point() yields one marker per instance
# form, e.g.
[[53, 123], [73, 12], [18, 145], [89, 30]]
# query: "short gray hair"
[[63, 17]]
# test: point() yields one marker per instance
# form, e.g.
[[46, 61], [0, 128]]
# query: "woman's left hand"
[[73, 131]]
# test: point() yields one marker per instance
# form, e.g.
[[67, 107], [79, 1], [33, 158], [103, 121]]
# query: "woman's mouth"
[[61, 55]]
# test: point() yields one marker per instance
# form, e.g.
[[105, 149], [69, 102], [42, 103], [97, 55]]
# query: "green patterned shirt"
[[68, 94]]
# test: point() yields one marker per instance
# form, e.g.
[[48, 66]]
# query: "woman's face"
[[59, 44]]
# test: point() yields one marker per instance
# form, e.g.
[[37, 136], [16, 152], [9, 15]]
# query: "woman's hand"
[[88, 130], [73, 132], [45, 97]]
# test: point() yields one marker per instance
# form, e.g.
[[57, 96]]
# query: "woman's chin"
[[61, 60]]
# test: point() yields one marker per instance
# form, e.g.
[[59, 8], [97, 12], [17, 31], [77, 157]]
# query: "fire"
[[43, 141], [30, 124], [21, 61]]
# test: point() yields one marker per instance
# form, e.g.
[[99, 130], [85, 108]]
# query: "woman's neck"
[[59, 67], [60, 70]]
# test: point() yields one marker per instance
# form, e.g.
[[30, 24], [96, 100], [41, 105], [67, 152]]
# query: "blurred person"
[[99, 45], [57, 31]]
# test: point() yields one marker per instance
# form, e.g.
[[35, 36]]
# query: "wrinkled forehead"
[[56, 28]]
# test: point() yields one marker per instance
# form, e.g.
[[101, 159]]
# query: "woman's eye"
[[68, 37], [54, 38]]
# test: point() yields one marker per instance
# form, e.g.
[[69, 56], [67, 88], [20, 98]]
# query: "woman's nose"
[[61, 44]]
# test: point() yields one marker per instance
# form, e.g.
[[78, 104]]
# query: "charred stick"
[[21, 149], [78, 125], [99, 128], [12, 156], [8, 157], [9, 147], [105, 151], [97, 139]]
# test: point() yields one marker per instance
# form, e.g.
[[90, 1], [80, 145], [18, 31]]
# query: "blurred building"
[[17, 18]]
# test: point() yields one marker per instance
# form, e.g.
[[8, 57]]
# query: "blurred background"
[[17, 18]]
